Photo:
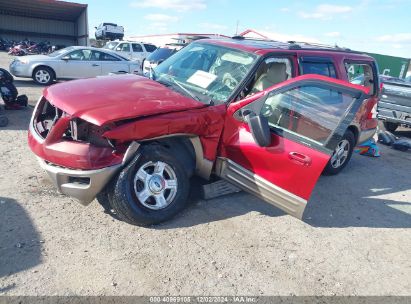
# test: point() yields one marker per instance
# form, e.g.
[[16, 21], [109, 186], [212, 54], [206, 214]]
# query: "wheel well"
[[182, 148], [43, 66], [355, 131]]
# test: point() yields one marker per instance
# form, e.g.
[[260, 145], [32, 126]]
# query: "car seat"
[[276, 72]]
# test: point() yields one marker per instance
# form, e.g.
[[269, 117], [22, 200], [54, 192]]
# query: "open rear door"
[[307, 116]]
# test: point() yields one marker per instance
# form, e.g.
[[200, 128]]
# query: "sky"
[[379, 26]]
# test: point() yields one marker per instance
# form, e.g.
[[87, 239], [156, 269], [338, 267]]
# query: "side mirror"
[[65, 58], [259, 128]]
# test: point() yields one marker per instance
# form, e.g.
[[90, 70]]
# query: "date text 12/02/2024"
[[204, 299]]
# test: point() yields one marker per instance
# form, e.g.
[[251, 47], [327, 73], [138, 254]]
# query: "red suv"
[[268, 117]]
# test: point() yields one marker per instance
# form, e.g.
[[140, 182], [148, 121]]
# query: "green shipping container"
[[392, 66]]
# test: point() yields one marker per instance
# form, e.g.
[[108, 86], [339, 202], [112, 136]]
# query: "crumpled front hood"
[[111, 98]]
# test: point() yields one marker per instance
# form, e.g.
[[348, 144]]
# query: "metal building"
[[60, 22]]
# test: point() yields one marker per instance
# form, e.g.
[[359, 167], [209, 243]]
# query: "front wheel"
[[342, 154], [151, 189], [43, 75]]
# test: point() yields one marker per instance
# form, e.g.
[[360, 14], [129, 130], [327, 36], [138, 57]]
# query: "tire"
[[43, 75], [390, 126], [104, 201], [4, 121], [9, 98], [141, 196], [345, 147]]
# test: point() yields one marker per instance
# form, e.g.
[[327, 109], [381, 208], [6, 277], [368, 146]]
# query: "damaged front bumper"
[[83, 185]]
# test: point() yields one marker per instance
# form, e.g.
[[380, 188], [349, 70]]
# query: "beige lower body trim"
[[203, 166], [248, 181]]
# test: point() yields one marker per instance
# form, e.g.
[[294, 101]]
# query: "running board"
[[218, 188]]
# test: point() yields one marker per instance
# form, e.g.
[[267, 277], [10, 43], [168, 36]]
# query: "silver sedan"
[[71, 63]]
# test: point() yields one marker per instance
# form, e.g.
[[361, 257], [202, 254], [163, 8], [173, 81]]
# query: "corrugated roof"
[[45, 9]]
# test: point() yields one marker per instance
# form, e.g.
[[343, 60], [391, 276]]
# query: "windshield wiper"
[[184, 89]]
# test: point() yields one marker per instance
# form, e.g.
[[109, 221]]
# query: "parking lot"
[[355, 238]]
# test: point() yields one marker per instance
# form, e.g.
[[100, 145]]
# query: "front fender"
[[206, 123]]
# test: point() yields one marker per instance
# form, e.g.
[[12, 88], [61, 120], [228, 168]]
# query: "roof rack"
[[256, 39], [299, 45], [320, 45]]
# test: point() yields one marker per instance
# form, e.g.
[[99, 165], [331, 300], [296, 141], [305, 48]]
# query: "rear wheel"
[[390, 126], [152, 189], [342, 154], [43, 75]]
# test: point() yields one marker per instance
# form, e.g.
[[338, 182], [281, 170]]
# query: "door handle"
[[95, 65], [300, 159]]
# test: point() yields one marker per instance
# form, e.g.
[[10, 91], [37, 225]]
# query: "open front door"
[[306, 116]]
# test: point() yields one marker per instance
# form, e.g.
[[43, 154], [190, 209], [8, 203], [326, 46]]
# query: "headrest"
[[277, 72]]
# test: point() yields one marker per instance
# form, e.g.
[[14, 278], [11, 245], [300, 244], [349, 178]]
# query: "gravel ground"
[[355, 238]]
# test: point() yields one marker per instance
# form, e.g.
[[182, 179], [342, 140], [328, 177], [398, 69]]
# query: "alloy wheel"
[[155, 185], [42, 76], [340, 154]]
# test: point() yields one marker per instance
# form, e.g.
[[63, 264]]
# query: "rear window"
[[320, 68], [160, 54], [361, 74]]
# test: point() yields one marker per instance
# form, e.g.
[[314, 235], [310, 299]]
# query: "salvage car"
[[394, 107], [132, 50], [250, 112], [73, 62]]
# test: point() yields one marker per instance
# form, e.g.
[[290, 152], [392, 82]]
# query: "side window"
[[320, 68], [96, 56], [361, 74], [137, 48], [80, 55], [108, 57], [123, 47], [308, 111], [150, 48], [100, 56], [271, 71]]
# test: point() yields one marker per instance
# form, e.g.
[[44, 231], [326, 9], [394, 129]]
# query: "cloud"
[[326, 12], [284, 9], [213, 26], [395, 38], [283, 37], [177, 5], [397, 46], [161, 18], [160, 22], [333, 34]]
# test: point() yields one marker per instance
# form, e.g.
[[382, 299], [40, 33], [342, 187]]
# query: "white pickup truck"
[[109, 31]]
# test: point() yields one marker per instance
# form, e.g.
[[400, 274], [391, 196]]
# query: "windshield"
[[60, 52], [110, 45], [205, 71]]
